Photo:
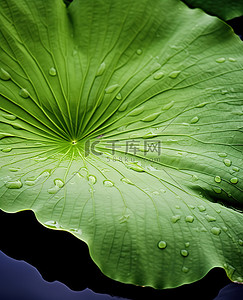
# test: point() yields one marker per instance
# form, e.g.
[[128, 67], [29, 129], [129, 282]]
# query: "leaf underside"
[[121, 122]]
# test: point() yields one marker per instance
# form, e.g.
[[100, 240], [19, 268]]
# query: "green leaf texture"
[[121, 122], [224, 9]]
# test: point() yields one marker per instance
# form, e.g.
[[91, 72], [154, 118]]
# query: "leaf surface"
[[121, 122], [224, 9]]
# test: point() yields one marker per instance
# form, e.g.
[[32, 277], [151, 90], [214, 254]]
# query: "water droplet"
[[191, 206], [151, 117], [184, 253], [108, 183], [216, 230], [187, 244], [111, 88], [137, 111], [52, 224], [24, 93], [149, 135], [59, 183], [30, 182], [225, 228], [201, 208], [126, 180], [174, 74], [175, 218], [124, 219], [4, 75], [77, 231], [14, 169], [6, 149], [162, 245], [234, 180], [217, 179], [14, 184], [220, 60], [236, 169], [227, 162], [222, 154], [139, 51], [135, 167], [223, 92], [232, 59], [92, 179], [101, 69], [210, 218], [158, 75], [240, 242], [52, 71], [217, 190], [185, 270], [194, 120], [189, 219], [9, 117], [123, 107], [177, 207], [194, 178], [119, 96], [201, 104], [168, 105]]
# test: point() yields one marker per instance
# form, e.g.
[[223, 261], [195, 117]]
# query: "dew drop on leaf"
[[194, 120], [162, 245], [9, 117], [184, 253], [175, 218], [236, 169], [111, 88], [101, 69], [217, 179], [222, 154], [168, 105], [215, 230], [201, 208], [137, 111], [210, 218], [174, 74], [108, 183], [158, 75], [119, 96], [59, 183], [52, 71], [185, 270], [232, 59], [4, 75], [126, 180], [24, 93], [187, 244], [217, 190], [189, 219], [227, 162], [220, 60], [92, 179], [52, 224], [6, 149], [139, 51], [240, 242], [17, 184], [234, 180], [151, 117]]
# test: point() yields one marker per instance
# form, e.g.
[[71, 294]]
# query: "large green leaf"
[[224, 9], [121, 122]]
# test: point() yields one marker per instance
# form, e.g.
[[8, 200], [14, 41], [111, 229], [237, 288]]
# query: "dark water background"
[[66, 271]]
